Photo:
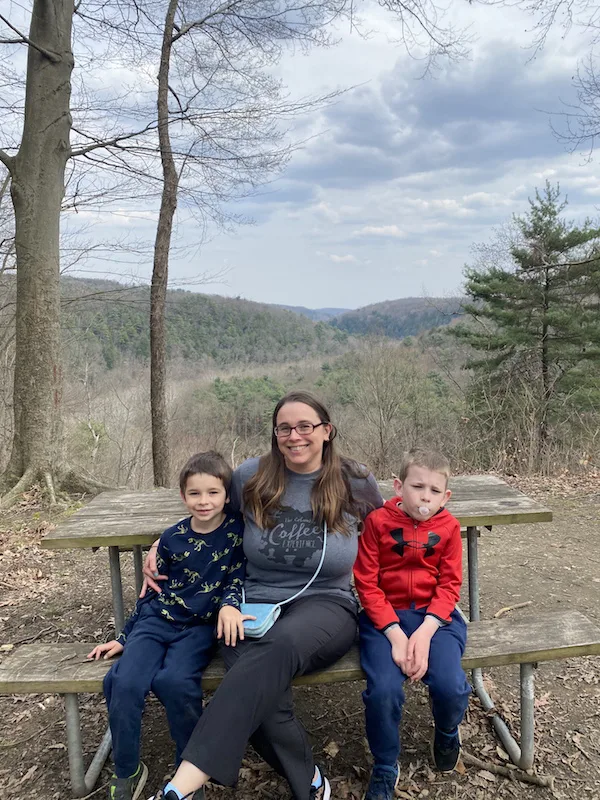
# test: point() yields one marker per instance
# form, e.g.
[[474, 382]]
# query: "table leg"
[[521, 756], [74, 746], [527, 716], [137, 565], [117, 588], [473, 572]]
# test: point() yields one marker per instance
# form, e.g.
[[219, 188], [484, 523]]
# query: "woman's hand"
[[150, 571], [230, 625], [108, 650]]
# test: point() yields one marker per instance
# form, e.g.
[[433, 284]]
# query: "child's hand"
[[418, 649], [108, 650], [399, 641], [230, 625]]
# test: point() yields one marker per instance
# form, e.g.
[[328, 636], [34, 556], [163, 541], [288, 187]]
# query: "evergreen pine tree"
[[538, 320]]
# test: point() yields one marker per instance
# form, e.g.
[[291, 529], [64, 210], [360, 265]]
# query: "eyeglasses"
[[303, 428]]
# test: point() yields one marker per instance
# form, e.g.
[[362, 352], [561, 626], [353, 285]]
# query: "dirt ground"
[[65, 596]]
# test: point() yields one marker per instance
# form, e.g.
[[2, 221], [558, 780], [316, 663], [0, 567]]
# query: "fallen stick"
[[506, 609], [505, 772]]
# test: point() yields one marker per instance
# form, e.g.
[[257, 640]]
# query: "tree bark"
[[160, 272], [37, 190]]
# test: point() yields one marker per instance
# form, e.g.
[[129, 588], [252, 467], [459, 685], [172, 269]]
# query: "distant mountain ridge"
[[108, 322], [316, 314], [397, 319]]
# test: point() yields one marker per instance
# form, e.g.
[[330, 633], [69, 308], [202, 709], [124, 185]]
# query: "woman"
[[287, 496]]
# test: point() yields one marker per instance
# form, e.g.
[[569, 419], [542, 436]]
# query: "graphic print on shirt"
[[398, 536], [294, 538]]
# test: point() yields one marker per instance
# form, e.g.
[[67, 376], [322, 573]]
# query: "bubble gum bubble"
[[423, 510]]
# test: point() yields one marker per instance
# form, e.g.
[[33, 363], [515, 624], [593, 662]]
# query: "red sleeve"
[[447, 593], [366, 578]]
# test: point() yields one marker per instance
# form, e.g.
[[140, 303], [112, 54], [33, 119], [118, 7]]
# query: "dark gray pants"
[[254, 701]]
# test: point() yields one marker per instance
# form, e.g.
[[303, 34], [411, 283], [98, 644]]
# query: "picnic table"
[[129, 520]]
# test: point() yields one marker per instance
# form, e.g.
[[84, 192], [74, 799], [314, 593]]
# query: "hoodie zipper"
[[412, 572]]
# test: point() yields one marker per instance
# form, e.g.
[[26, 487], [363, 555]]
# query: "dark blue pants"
[[159, 657], [384, 696]]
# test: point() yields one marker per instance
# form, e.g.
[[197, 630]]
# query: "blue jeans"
[[384, 696], [163, 658]]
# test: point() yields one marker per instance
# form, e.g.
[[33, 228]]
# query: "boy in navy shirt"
[[169, 639]]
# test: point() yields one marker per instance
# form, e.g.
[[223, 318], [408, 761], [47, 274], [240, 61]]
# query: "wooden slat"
[[124, 518], [546, 637]]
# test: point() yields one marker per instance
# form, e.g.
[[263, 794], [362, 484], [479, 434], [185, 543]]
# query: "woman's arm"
[[150, 570]]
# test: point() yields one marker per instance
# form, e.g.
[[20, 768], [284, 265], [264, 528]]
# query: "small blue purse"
[[267, 614]]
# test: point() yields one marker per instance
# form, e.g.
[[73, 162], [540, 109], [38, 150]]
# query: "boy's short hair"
[[209, 463], [428, 459]]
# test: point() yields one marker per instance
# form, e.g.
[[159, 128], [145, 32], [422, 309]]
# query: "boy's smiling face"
[[423, 492], [205, 497]]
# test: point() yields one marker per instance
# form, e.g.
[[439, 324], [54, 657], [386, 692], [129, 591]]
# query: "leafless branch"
[[54, 57]]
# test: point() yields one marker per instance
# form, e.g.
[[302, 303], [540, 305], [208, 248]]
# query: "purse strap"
[[304, 588]]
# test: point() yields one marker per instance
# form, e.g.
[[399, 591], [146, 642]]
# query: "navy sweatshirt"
[[206, 571]]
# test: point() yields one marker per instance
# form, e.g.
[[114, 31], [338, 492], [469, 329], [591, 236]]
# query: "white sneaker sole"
[[141, 783]]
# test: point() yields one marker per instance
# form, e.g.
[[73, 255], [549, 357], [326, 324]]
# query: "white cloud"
[[347, 259], [381, 230]]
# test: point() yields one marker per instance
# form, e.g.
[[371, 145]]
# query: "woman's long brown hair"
[[331, 496]]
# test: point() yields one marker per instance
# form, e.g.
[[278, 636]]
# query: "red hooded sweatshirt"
[[403, 561]]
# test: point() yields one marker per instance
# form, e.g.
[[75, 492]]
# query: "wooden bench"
[[62, 668]]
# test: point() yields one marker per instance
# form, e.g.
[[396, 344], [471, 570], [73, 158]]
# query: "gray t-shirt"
[[282, 559]]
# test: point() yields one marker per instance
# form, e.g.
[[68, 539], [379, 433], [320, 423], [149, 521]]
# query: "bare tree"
[[42, 150]]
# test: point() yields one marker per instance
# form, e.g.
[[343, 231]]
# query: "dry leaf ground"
[[65, 596]]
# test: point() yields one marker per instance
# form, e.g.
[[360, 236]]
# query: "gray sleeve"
[[366, 494], [240, 475]]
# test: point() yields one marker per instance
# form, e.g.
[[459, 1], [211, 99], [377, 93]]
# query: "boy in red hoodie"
[[408, 576]]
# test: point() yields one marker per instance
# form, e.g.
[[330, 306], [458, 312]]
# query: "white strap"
[[294, 596]]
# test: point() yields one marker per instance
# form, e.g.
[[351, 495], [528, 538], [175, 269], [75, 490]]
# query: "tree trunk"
[[160, 272], [545, 369], [37, 190]]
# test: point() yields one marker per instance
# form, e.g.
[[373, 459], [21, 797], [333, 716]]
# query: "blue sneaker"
[[383, 783], [323, 790]]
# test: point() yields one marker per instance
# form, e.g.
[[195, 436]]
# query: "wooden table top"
[[127, 518]]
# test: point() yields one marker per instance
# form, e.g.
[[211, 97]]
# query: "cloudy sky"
[[402, 174]]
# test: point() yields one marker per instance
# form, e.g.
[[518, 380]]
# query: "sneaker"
[[383, 783], [128, 788], [324, 790], [445, 750]]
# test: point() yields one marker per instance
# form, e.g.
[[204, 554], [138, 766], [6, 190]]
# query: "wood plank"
[[545, 637], [126, 518]]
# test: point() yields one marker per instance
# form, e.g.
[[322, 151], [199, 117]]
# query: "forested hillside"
[[109, 323], [316, 314], [112, 321], [397, 319]]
